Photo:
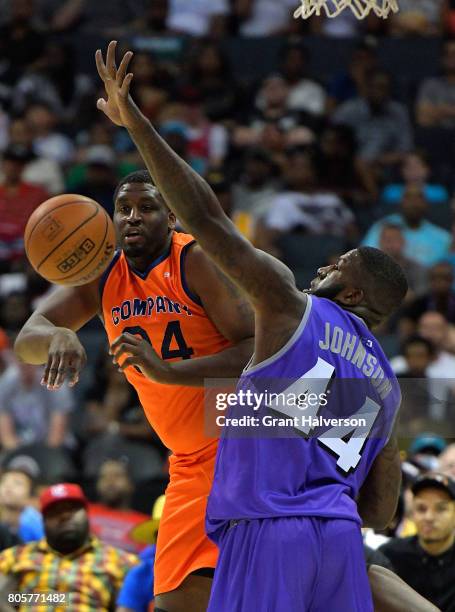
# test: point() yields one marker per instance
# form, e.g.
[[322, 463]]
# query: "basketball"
[[69, 240]]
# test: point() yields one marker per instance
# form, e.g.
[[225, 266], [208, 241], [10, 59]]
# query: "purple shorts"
[[291, 564]]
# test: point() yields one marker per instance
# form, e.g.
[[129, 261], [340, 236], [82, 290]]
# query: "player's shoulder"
[[181, 240]]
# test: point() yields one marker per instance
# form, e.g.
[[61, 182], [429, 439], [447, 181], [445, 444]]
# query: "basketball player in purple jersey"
[[286, 511]]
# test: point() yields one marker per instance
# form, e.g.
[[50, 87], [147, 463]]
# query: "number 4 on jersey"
[[173, 334], [316, 381]]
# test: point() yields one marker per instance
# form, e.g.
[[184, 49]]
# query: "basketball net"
[[360, 8]]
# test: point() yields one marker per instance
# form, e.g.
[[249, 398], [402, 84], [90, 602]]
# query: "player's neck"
[[363, 313]]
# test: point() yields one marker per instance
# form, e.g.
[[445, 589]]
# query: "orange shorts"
[[183, 546]]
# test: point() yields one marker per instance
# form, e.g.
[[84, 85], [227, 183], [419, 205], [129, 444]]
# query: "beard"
[[66, 542], [133, 251], [327, 291]]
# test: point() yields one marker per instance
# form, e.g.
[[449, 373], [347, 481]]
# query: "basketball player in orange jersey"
[[162, 288]]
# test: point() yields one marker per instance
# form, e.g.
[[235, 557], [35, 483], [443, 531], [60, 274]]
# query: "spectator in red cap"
[[69, 560]]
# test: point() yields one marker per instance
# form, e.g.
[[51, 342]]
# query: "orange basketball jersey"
[[158, 305]]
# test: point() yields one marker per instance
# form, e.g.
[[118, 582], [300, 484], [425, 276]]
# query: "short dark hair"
[[383, 280], [139, 176], [416, 339]]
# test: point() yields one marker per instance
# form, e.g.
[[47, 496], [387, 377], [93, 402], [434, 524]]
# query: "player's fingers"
[[129, 361], [62, 371], [45, 377], [124, 338], [101, 104], [110, 59], [125, 88], [52, 372], [123, 67], [75, 367], [100, 65], [122, 350]]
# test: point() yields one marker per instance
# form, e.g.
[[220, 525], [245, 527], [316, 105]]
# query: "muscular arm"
[[378, 497], [268, 283]]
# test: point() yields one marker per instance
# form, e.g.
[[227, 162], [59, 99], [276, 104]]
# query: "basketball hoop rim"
[[360, 8]]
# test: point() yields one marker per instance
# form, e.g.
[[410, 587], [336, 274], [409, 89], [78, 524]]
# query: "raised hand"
[[140, 353], [66, 359], [119, 106]]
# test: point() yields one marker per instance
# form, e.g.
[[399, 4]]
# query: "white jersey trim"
[[292, 340]]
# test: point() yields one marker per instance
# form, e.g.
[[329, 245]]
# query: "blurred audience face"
[[209, 61], [418, 357], [294, 64], [114, 485], [434, 516], [274, 92], [14, 311], [12, 171], [66, 526], [449, 57], [42, 119], [156, 14], [300, 172], [447, 461], [20, 133], [363, 61], [378, 90], [144, 68], [441, 279], [392, 241], [414, 206], [15, 489], [22, 10], [415, 169], [256, 171], [332, 143], [101, 133], [433, 326]]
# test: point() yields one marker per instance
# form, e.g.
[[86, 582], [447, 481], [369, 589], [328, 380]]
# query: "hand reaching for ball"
[[119, 106]]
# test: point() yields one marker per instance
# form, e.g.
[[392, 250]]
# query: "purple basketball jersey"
[[318, 469]]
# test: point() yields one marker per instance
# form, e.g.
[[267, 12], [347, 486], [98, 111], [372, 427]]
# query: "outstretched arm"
[[269, 284]]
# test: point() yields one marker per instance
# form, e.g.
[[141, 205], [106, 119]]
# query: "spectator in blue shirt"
[[16, 511], [415, 172], [426, 243]]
